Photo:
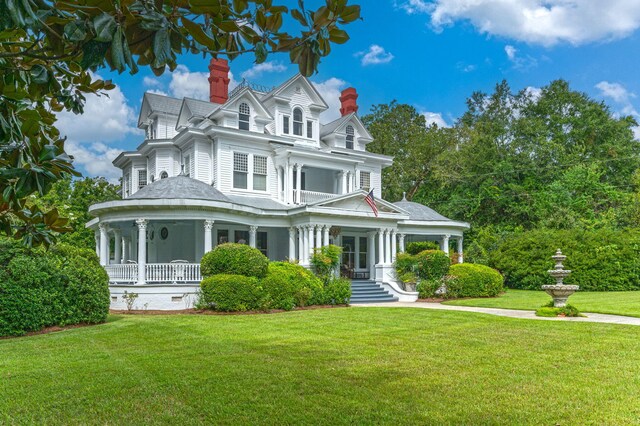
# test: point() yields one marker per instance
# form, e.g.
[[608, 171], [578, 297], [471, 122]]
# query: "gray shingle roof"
[[258, 202], [200, 108], [419, 211], [163, 103], [331, 127], [181, 187]]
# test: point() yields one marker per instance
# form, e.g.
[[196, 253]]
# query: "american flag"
[[372, 202]]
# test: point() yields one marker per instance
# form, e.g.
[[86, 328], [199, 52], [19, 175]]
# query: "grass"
[[332, 366], [611, 302]]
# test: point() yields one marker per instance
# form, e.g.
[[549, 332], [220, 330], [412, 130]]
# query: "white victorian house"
[[258, 167]]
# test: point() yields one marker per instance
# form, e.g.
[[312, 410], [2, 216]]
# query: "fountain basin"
[[560, 293]]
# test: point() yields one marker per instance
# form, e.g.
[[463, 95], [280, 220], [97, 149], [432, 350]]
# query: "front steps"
[[365, 291]]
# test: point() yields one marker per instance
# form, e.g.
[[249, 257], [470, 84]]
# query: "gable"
[[294, 86], [355, 201]]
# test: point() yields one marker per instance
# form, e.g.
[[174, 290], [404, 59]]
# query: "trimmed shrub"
[[234, 259], [39, 288], [325, 261], [471, 280], [288, 286], [432, 264], [600, 260], [337, 291], [230, 293], [405, 264], [427, 288], [418, 246]]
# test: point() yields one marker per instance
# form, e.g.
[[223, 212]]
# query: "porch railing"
[[125, 273], [307, 197], [155, 273], [173, 272]]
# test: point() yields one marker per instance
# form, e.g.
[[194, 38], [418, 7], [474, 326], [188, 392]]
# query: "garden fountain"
[[559, 291]]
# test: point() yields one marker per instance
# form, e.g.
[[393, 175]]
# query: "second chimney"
[[218, 81], [348, 102]]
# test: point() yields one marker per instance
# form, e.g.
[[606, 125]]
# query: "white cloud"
[[258, 69], [466, 67], [434, 118], [106, 118], [545, 22], [511, 52], [330, 91], [519, 62], [620, 95], [151, 81], [375, 55], [187, 84]]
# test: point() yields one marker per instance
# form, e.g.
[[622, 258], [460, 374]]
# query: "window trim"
[[310, 129], [241, 114], [255, 173], [362, 174], [351, 141], [140, 181], [286, 124], [238, 169], [300, 122]]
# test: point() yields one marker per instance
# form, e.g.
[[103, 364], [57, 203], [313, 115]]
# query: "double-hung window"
[[285, 124], [297, 121], [187, 165], [240, 170], [365, 180], [350, 137], [310, 129], [259, 173], [142, 178], [244, 114]]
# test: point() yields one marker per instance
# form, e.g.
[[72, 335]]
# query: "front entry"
[[355, 259]]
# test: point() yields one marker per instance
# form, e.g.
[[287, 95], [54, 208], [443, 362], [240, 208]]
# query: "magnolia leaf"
[[39, 74], [105, 26]]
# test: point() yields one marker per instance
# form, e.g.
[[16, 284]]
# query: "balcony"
[[307, 197]]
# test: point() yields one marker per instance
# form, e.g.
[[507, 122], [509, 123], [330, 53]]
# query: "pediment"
[[355, 201]]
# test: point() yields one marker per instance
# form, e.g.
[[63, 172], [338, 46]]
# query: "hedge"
[[432, 264], [288, 285], [230, 293], [472, 280], [418, 246], [233, 258], [337, 291], [39, 288], [600, 260]]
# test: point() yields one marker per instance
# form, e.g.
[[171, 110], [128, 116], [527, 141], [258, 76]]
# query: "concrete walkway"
[[511, 313]]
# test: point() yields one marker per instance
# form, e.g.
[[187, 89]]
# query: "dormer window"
[[310, 129], [350, 137], [285, 124], [297, 121], [244, 113], [142, 179]]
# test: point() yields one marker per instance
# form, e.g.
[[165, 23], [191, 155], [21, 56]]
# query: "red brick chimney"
[[218, 81], [348, 102]]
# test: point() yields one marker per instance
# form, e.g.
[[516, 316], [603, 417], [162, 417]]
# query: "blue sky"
[[430, 54]]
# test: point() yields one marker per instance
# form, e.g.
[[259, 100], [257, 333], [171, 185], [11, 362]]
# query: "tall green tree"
[[49, 47]]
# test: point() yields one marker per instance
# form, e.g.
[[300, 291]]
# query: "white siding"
[[165, 127], [163, 161]]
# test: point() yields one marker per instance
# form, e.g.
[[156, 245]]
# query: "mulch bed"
[[47, 330], [432, 300], [210, 312]]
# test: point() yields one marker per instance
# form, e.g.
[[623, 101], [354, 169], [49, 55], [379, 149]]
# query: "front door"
[[348, 265]]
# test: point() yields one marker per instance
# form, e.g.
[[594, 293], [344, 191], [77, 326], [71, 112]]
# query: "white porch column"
[[298, 182], [356, 182], [142, 249], [252, 235], [380, 246], [387, 246], [104, 243], [460, 243], [292, 243], [208, 240], [371, 254], [325, 240], [117, 242], [126, 249], [318, 236], [285, 184], [310, 244], [394, 249], [343, 177], [401, 242], [301, 244], [97, 237], [350, 182], [445, 243]]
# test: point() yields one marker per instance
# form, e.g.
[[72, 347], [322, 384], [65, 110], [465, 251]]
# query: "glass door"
[[348, 256]]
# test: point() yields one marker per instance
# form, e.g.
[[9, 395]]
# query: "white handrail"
[[155, 273], [122, 273], [307, 197]]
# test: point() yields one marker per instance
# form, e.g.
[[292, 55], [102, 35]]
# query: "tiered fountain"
[[559, 291]]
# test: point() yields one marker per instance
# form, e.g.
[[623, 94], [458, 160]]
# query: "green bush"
[[325, 261], [432, 264], [418, 246], [471, 280], [405, 264], [427, 288], [231, 293], [337, 291], [288, 285], [39, 288], [600, 260], [234, 259], [551, 311]]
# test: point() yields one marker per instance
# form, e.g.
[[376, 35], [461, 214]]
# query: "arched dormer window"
[[164, 175], [350, 137], [297, 121], [244, 113]]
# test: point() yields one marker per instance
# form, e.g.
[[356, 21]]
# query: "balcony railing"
[[307, 197], [155, 273]]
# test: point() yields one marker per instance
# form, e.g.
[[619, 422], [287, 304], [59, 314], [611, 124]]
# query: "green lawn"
[[331, 366], [612, 302]]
